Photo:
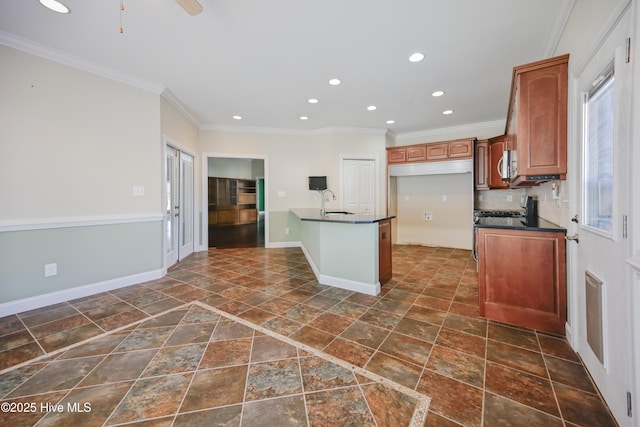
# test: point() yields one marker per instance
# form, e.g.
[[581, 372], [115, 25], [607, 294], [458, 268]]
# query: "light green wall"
[[85, 255], [279, 222]]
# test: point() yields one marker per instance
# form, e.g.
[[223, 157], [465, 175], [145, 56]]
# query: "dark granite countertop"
[[308, 214], [518, 224]]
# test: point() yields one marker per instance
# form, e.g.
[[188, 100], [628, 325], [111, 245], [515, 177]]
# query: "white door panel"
[[179, 203], [359, 187], [602, 280]]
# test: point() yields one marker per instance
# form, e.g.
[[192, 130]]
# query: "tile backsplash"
[[506, 199]]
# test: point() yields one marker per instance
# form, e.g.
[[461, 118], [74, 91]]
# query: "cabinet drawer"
[[397, 155], [247, 215], [460, 149], [415, 154], [246, 198], [437, 151], [227, 216]]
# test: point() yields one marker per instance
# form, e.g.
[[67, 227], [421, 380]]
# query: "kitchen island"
[[345, 250], [522, 272]]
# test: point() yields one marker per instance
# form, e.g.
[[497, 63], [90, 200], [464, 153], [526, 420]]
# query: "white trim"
[[26, 304], [454, 129], [338, 282], [553, 36], [205, 192], [272, 245], [81, 221], [283, 131], [376, 178], [77, 62], [175, 102]]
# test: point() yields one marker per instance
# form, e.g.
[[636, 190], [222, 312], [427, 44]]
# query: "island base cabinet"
[[385, 271], [522, 278]]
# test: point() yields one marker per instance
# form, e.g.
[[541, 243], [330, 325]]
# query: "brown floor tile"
[[500, 411], [457, 365], [349, 351], [47, 314], [406, 348], [226, 353], [66, 338], [522, 387], [517, 358], [225, 416], [395, 369], [319, 374], [273, 379], [119, 367], [425, 314], [461, 341], [312, 337], [15, 339], [10, 324], [288, 411], [452, 399], [417, 329], [365, 334], [204, 391], [331, 323], [167, 392], [268, 348], [583, 409], [341, 407], [512, 335], [173, 360]]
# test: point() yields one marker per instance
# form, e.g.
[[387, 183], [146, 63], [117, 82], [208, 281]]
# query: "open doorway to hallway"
[[235, 202]]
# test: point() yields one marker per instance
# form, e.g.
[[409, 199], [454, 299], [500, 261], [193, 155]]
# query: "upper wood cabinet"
[[454, 150], [537, 122], [481, 165]]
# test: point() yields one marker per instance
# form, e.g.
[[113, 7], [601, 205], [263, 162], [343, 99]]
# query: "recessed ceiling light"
[[438, 93], [447, 112], [371, 107], [390, 122], [334, 82], [416, 57], [312, 101], [237, 117], [304, 118], [54, 5]]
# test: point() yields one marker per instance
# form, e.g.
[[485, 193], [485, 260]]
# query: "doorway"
[[235, 202], [179, 205], [601, 315], [359, 185]]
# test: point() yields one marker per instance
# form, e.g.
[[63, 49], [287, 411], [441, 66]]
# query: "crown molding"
[[73, 61], [301, 132], [472, 127], [175, 102], [553, 37]]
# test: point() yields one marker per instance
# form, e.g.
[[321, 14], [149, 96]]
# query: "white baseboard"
[[296, 244], [26, 304], [338, 282]]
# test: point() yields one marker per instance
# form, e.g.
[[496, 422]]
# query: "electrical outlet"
[[428, 216], [509, 198], [138, 190], [50, 269], [287, 231], [444, 198]]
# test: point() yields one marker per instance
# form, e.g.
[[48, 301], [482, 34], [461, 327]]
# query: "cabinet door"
[[384, 251], [522, 278], [437, 151], [416, 154], [460, 149], [396, 155], [496, 149], [542, 121], [481, 165]]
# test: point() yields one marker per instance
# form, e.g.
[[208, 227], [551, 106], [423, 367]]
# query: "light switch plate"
[[138, 190]]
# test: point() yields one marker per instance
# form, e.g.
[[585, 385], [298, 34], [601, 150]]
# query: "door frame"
[[197, 229], [205, 196]]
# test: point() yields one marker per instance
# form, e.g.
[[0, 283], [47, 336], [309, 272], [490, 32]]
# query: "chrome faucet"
[[322, 194]]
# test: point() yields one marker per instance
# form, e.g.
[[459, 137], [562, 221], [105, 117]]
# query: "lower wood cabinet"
[[384, 251], [522, 277]]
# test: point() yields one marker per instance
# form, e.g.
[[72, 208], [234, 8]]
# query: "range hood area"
[[432, 168]]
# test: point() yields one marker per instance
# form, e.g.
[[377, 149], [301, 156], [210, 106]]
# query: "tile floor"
[[422, 336]]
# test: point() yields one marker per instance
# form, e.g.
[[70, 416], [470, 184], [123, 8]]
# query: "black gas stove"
[[497, 214]]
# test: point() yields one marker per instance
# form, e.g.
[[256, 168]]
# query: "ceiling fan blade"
[[192, 7]]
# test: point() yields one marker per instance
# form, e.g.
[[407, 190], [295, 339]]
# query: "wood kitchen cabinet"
[[385, 271], [537, 121], [438, 151], [497, 146], [481, 165], [522, 277]]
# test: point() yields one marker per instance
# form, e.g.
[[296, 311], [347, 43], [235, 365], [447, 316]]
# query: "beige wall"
[[74, 144]]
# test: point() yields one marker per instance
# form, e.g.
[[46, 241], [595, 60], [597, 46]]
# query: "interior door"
[[602, 280], [359, 185], [179, 204], [185, 214], [172, 206]]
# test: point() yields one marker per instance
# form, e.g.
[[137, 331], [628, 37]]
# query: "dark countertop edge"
[[314, 215], [542, 225]]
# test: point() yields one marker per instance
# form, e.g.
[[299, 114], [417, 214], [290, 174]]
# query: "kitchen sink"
[[327, 213]]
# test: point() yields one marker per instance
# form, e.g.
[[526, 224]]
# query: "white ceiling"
[[263, 59]]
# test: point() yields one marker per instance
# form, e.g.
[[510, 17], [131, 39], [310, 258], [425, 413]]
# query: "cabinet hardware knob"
[[574, 237]]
